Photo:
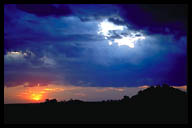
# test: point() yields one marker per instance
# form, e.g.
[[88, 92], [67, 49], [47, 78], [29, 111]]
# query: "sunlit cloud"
[[14, 56], [110, 42], [129, 40], [103, 89], [183, 88], [48, 62], [144, 86], [14, 53], [17, 56], [53, 89], [105, 27], [80, 94], [121, 34]]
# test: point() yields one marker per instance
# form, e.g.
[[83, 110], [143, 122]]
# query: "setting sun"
[[36, 97], [33, 94]]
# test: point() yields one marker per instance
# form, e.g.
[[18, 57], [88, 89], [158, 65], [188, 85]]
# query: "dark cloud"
[[45, 9], [156, 18], [116, 21], [167, 13], [67, 48], [89, 12]]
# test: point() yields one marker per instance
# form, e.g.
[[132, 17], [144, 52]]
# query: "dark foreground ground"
[[153, 105]]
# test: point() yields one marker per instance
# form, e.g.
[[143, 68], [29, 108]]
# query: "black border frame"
[[189, 48]]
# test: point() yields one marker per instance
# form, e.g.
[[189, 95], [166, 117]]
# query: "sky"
[[92, 51]]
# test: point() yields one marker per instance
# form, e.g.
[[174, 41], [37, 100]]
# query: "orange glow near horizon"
[[37, 93], [184, 87], [34, 94], [144, 86]]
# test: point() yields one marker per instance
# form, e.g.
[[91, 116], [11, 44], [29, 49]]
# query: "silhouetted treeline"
[[152, 94], [159, 104]]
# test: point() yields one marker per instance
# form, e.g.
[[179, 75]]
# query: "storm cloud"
[[65, 44]]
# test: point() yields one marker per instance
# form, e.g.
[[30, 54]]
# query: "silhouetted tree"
[[166, 86], [126, 99], [47, 101], [51, 101]]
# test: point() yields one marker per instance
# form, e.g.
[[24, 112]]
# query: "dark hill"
[[160, 104]]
